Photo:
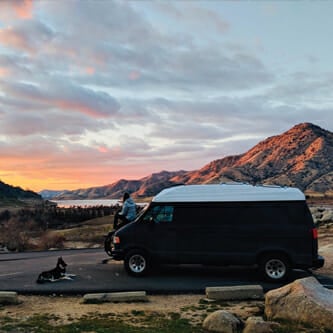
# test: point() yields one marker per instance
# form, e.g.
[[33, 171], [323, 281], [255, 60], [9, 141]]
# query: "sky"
[[92, 92]]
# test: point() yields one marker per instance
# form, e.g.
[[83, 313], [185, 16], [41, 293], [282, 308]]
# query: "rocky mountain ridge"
[[300, 157]]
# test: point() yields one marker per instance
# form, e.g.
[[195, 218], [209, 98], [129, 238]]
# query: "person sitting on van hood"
[[127, 213]]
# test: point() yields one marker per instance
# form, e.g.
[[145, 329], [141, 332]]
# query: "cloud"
[[27, 36], [21, 9], [191, 14], [91, 92], [64, 98]]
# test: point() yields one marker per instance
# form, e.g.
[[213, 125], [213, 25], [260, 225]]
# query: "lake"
[[86, 203], [90, 203]]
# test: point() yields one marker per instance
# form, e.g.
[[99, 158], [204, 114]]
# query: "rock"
[[304, 300], [327, 216], [222, 321], [322, 215], [258, 325]]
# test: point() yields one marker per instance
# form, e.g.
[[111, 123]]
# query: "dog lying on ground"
[[55, 274]]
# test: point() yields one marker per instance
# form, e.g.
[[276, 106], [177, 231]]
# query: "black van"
[[226, 224]]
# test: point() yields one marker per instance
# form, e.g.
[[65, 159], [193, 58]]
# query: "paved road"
[[96, 273]]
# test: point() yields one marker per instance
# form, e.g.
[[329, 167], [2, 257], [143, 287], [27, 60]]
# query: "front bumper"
[[117, 254]]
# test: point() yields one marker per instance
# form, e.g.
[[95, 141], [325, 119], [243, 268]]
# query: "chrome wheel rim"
[[137, 263], [275, 269]]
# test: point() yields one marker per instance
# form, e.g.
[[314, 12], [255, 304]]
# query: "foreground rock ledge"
[[304, 300]]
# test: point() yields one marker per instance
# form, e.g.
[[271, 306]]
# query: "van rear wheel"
[[275, 267], [136, 263]]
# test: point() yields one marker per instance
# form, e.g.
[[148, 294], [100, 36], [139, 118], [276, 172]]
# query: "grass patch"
[[136, 321], [86, 233]]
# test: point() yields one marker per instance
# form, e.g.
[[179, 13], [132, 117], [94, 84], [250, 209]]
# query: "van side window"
[[162, 214]]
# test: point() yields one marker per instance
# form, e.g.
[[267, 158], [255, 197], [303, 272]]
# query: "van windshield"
[[159, 214], [142, 212]]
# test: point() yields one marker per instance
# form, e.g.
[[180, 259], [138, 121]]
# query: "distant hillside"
[[11, 192], [300, 157], [145, 187], [49, 194]]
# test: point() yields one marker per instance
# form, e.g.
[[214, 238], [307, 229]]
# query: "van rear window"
[[262, 215]]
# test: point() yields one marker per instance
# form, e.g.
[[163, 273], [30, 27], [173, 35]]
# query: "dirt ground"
[[68, 309]]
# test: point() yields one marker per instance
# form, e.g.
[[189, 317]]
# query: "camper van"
[[223, 224]]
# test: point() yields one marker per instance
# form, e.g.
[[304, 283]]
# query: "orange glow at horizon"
[[37, 185], [68, 179]]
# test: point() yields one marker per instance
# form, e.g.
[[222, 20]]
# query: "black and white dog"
[[55, 274]]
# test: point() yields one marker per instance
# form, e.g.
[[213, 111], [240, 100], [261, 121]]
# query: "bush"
[[51, 240]]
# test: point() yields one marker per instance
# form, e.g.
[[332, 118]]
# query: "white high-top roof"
[[234, 192]]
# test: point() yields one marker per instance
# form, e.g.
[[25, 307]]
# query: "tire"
[[275, 267], [136, 263]]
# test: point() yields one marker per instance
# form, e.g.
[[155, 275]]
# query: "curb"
[[8, 297], [129, 296], [235, 293]]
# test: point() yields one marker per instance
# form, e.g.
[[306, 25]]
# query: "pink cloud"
[[134, 75], [16, 9], [4, 72], [90, 70], [23, 8], [70, 98], [80, 107], [103, 149], [12, 38]]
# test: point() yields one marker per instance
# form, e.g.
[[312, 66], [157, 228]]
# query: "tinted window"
[[160, 214], [276, 215], [234, 214], [204, 215]]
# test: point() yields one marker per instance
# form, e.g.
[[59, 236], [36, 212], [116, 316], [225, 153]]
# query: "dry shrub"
[[16, 234], [50, 240]]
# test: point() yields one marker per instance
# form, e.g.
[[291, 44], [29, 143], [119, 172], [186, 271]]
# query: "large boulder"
[[222, 321], [304, 300]]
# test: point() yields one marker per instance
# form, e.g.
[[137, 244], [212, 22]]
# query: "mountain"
[[300, 157], [11, 192], [145, 187], [49, 194]]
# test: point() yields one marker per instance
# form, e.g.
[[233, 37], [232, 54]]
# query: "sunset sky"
[[95, 91]]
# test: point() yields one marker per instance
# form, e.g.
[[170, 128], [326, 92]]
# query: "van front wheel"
[[275, 268], [136, 263]]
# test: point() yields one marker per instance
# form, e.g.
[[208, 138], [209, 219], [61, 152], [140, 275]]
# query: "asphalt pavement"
[[95, 272]]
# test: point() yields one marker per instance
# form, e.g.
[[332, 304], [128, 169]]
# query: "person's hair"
[[126, 196]]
